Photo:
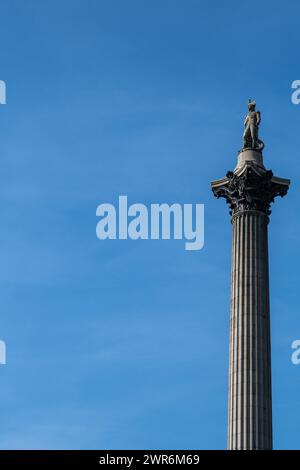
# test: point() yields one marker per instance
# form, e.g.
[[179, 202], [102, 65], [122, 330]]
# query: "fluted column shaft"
[[250, 400]]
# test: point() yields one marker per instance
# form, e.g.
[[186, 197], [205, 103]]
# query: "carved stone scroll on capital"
[[250, 190]]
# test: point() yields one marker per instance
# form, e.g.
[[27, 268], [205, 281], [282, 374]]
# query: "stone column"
[[249, 191], [250, 403]]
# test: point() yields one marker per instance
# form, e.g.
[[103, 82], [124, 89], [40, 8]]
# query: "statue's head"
[[251, 105]]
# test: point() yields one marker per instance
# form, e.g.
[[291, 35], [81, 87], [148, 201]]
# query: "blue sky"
[[123, 344]]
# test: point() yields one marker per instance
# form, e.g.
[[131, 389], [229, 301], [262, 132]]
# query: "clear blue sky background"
[[125, 344]]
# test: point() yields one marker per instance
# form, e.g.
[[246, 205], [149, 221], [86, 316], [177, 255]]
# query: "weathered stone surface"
[[249, 401]]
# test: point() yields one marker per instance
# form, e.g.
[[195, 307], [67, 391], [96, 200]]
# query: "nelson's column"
[[249, 191]]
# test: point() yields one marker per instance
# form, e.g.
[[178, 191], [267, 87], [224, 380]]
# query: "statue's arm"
[[258, 118]]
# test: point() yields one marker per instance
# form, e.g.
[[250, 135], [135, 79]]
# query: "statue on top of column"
[[251, 125]]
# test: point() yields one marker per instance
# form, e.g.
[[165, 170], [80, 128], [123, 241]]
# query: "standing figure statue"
[[251, 124]]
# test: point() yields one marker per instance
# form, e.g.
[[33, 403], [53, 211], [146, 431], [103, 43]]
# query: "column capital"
[[250, 187]]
